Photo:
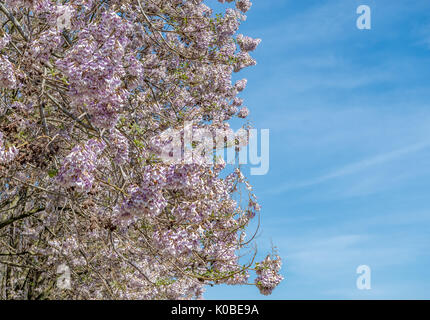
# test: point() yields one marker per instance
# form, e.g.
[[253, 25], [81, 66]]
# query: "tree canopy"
[[87, 89]]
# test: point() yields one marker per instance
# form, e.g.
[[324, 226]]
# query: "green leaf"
[[52, 172]]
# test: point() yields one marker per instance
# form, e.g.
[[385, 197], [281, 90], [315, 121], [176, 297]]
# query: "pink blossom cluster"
[[7, 156], [4, 40], [42, 47], [120, 146], [77, 168], [268, 274], [37, 5], [247, 43], [94, 68], [7, 73]]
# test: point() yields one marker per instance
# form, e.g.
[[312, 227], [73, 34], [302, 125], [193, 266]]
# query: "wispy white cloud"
[[355, 167], [326, 263]]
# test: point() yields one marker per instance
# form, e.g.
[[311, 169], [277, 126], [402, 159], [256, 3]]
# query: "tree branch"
[[20, 217]]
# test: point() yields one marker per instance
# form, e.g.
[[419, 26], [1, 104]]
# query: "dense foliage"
[[87, 89]]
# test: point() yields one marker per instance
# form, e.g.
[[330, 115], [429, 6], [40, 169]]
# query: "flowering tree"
[[87, 88]]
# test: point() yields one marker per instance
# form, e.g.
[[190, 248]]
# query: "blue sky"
[[349, 113]]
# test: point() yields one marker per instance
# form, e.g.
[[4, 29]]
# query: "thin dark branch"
[[20, 217]]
